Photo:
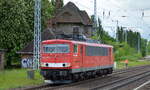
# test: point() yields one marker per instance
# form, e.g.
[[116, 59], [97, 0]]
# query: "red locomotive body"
[[72, 60]]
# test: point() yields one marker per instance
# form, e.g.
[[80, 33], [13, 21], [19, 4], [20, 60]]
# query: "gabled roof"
[[70, 13], [86, 18]]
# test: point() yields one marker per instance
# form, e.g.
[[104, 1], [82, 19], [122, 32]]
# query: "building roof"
[[70, 13], [85, 17]]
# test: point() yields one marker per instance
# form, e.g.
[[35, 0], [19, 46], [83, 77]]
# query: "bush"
[[126, 52]]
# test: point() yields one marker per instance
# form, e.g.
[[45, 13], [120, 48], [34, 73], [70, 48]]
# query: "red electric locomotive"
[[67, 60]]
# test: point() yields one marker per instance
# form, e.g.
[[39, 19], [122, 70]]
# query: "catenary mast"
[[37, 34], [95, 15]]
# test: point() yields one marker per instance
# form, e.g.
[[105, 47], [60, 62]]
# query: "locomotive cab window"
[[56, 48], [75, 50]]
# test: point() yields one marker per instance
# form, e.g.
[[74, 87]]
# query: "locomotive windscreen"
[[56, 48]]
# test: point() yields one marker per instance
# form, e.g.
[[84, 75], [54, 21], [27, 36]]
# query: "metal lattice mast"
[[95, 15], [117, 34], [37, 34]]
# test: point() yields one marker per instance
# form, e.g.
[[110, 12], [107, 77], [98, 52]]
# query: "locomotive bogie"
[[68, 76]]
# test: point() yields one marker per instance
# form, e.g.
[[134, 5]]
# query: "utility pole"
[[95, 15], [117, 35], [126, 36], [139, 43], [37, 34], [147, 51], [147, 47], [117, 22]]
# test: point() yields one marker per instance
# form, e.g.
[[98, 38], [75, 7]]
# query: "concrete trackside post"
[[30, 74], [115, 65]]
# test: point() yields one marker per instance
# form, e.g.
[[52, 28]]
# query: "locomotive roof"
[[78, 42]]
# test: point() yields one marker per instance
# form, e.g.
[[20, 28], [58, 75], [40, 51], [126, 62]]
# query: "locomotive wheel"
[[82, 76], [105, 72], [75, 77], [110, 71], [88, 75], [93, 74], [100, 73], [70, 77]]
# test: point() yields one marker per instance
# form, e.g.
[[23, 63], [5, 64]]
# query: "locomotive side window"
[[96, 51], [75, 48], [56, 48], [106, 51]]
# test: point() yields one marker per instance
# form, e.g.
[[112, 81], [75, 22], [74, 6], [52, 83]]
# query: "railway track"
[[106, 78], [115, 85]]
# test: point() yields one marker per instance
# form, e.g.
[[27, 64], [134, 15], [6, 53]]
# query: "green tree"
[[17, 24], [143, 47], [148, 47], [54, 4]]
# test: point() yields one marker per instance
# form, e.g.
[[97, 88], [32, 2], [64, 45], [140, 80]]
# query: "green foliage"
[[143, 47], [17, 24], [133, 39], [126, 52], [121, 34], [148, 48], [54, 4]]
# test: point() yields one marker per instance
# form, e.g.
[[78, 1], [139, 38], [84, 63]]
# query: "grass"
[[17, 78], [121, 65]]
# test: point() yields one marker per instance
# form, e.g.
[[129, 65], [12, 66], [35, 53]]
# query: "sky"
[[128, 13]]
